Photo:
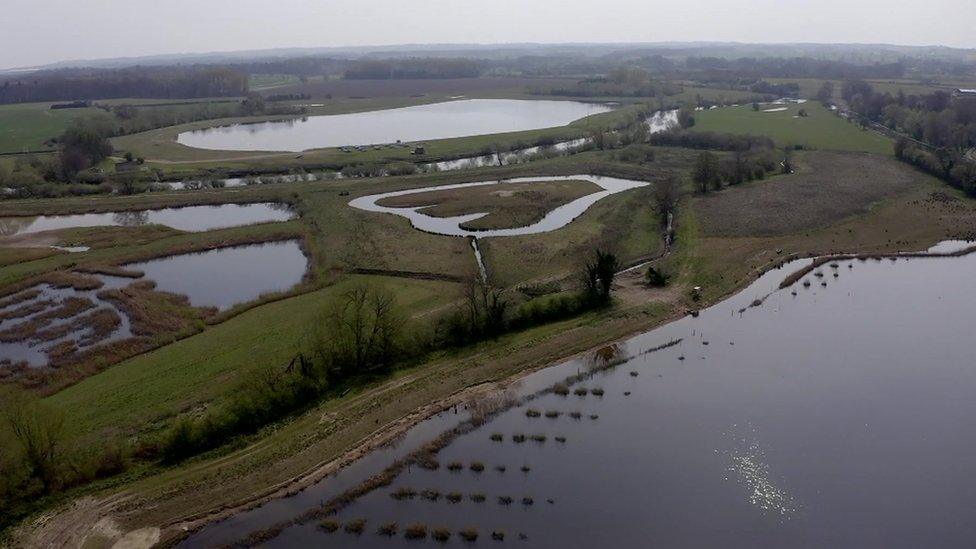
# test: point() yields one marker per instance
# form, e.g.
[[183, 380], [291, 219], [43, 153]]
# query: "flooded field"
[[831, 413], [188, 218], [79, 314], [423, 122], [51, 321], [225, 277]]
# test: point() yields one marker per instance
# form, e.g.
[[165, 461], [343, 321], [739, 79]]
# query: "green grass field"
[[820, 130], [28, 126], [144, 393]]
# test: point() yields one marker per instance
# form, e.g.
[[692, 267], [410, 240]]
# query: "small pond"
[[224, 277], [831, 414], [418, 123], [188, 218]]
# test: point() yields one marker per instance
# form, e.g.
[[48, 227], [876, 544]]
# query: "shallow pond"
[[224, 277], [188, 218], [826, 416], [451, 226], [419, 123]]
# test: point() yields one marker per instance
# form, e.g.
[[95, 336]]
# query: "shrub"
[[441, 534], [403, 492], [355, 526], [415, 531]]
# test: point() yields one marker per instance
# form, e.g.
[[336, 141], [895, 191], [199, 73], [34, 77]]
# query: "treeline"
[[155, 82], [796, 67], [364, 337], [414, 68], [937, 118], [621, 82], [712, 141], [950, 166]]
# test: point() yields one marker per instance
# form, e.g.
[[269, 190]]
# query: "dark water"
[[841, 416], [189, 218], [224, 277], [423, 122]]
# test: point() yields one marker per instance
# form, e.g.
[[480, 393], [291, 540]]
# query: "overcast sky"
[[43, 31]]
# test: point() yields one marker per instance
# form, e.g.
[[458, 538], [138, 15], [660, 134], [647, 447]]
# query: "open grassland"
[[29, 126], [510, 205], [821, 129], [144, 393], [810, 86], [826, 188]]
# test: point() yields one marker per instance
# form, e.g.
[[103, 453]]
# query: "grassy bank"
[[821, 129]]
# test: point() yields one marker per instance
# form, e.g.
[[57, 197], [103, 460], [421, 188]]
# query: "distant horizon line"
[[79, 63]]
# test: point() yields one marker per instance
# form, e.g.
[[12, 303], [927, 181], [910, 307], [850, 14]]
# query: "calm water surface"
[[189, 218], [837, 417], [418, 123], [224, 277]]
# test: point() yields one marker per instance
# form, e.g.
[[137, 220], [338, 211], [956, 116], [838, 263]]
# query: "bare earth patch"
[[826, 188]]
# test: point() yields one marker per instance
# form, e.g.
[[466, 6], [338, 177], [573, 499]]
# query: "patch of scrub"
[[224, 277]]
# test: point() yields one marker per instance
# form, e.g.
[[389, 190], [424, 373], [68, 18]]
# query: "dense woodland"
[[155, 82]]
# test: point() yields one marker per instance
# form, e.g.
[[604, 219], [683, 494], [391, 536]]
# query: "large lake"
[[837, 415], [420, 123]]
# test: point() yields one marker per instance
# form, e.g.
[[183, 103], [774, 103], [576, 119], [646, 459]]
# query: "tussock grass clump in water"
[[403, 492], [560, 439], [415, 531], [454, 497], [497, 437], [532, 412], [355, 526], [553, 414], [634, 374], [539, 438], [560, 389], [526, 468], [500, 468], [440, 534], [455, 466], [576, 415], [581, 391], [504, 500], [469, 534], [432, 495], [389, 529], [477, 466], [477, 498], [527, 500], [428, 461], [594, 417], [498, 535], [518, 438], [598, 392], [329, 525]]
